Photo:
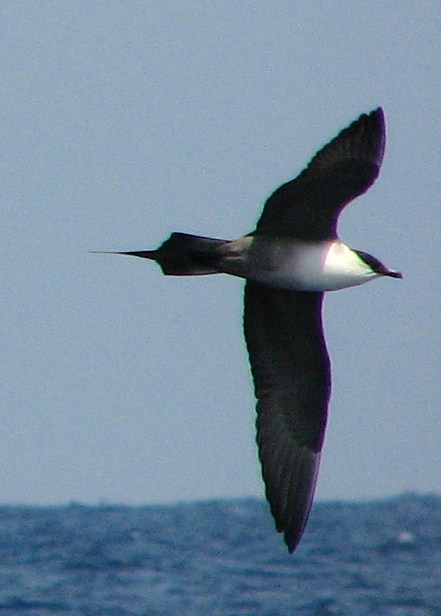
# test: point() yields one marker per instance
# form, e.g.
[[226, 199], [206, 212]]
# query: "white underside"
[[321, 267], [300, 266]]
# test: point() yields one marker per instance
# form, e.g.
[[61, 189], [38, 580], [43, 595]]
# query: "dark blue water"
[[221, 558]]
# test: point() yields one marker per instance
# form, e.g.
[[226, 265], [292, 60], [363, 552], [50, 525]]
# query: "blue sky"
[[124, 121]]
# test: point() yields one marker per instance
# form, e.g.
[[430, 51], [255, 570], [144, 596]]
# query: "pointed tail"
[[182, 255]]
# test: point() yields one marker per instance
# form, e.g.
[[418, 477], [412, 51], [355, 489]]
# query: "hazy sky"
[[124, 121]]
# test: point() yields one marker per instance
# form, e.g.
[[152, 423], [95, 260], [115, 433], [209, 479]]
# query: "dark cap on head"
[[377, 266]]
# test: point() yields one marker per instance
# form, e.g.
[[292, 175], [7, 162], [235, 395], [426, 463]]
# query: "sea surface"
[[221, 557]]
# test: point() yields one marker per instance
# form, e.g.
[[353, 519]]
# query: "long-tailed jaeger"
[[288, 261]]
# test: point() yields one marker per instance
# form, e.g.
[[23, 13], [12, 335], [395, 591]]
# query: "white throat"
[[330, 266]]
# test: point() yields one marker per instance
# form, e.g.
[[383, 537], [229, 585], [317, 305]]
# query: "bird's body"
[[291, 258], [281, 262]]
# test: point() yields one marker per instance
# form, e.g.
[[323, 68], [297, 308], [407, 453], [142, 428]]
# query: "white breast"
[[316, 266]]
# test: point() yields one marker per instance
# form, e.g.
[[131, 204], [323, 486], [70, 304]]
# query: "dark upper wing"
[[308, 206], [291, 373]]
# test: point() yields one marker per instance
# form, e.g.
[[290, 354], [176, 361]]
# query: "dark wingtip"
[[291, 548], [377, 113], [292, 541]]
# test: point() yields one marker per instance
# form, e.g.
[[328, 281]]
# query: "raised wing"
[[308, 206], [291, 372]]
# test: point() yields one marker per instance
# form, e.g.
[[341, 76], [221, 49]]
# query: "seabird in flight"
[[288, 261]]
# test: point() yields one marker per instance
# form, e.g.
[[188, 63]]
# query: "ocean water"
[[221, 558]]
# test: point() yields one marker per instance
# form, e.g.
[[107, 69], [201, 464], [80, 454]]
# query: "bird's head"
[[377, 266]]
